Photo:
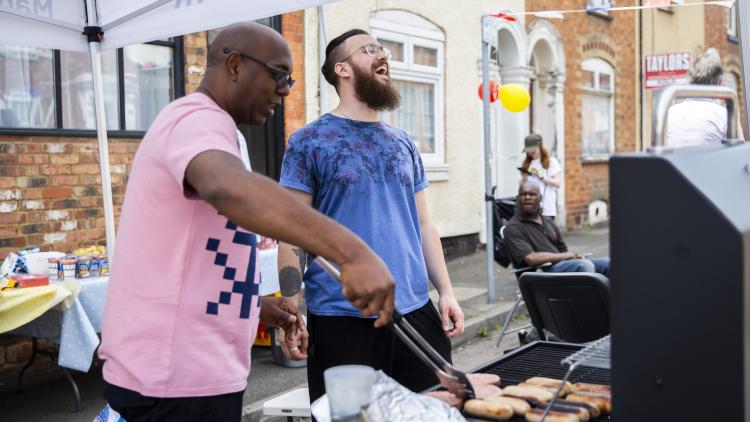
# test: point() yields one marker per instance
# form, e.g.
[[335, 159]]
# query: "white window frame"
[[598, 67], [732, 21], [411, 72], [597, 3]]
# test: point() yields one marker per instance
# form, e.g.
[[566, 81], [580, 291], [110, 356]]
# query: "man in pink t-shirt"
[[183, 303]]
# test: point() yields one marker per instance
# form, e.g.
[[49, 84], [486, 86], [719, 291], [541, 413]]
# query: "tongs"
[[451, 378]]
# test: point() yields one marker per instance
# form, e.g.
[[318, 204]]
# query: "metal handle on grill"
[[674, 92]]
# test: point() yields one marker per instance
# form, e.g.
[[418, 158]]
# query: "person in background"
[[183, 301], [700, 121], [543, 169], [368, 176], [534, 240]]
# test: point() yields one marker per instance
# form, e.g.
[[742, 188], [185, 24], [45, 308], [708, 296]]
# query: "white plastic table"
[[295, 403]]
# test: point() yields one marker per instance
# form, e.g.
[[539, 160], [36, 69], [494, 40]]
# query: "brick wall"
[[293, 29], [613, 40], [50, 191], [196, 50], [731, 54]]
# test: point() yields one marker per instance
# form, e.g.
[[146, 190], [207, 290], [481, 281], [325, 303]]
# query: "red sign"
[[664, 69]]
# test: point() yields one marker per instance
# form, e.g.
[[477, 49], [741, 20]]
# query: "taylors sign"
[[664, 69]]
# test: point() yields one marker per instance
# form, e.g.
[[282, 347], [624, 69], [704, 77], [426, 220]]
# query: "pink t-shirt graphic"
[[182, 304]]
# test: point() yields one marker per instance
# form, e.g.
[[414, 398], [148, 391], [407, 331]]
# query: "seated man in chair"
[[534, 240]]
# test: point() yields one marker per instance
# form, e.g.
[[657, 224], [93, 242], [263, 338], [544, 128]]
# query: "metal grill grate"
[[543, 360]]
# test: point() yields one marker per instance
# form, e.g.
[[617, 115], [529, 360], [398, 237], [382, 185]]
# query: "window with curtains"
[[53, 90], [417, 71], [598, 108]]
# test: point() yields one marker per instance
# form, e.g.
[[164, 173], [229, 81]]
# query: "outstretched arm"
[[260, 205]]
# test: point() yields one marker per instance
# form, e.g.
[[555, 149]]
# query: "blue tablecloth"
[[76, 328]]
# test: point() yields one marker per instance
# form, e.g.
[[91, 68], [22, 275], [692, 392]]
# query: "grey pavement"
[[48, 397]]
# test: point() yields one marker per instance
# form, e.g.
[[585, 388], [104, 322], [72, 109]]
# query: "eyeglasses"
[[372, 50], [282, 77]]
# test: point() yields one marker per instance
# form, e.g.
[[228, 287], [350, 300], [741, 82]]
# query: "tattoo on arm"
[[302, 255], [290, 281]]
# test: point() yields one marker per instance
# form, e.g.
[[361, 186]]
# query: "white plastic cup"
[[348, 388]]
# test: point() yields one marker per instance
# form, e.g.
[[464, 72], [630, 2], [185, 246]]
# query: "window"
[[598, 107], [599, 7], [27, 88], [417, 71], [50, 89], [732, 22]]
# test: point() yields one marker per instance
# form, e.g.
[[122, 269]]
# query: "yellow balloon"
[[514, 97]]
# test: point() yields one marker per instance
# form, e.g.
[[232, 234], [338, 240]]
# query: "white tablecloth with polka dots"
[[76, 328]]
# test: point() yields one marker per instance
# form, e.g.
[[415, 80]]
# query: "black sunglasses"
[[282, 77]]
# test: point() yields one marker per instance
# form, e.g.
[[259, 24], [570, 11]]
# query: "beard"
[[377, 95]]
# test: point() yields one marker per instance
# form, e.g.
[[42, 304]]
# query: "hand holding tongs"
[[452, 379]]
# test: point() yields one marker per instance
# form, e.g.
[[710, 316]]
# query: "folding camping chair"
[[573, 307]]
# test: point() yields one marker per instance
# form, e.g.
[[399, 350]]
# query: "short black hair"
[[332, 57]]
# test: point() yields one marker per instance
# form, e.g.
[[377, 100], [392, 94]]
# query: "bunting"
[[608, 6]]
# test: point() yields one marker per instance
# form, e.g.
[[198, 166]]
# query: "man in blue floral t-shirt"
[[369, 177]]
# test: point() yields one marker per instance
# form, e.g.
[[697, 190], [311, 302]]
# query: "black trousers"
[[135, 407], [354, 341]]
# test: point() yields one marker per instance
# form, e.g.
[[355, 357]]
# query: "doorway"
[[265, 143]]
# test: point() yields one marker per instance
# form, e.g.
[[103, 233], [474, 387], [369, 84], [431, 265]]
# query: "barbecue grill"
[[680, 290]]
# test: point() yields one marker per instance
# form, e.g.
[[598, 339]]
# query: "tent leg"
[[101, 133]]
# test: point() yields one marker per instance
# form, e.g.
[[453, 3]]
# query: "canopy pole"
[[94, 34], [488, 191]]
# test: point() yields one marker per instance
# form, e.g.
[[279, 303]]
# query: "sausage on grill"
[[520, 407], [532, 394], [535, 415], [488, 409]]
